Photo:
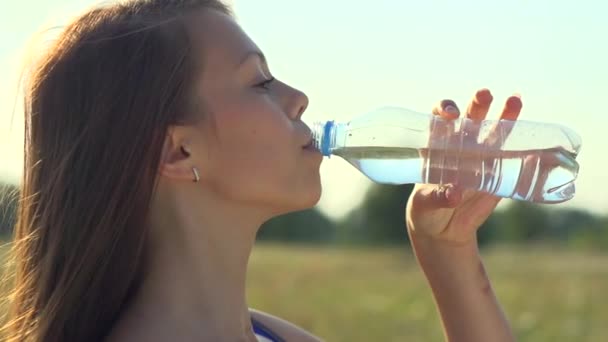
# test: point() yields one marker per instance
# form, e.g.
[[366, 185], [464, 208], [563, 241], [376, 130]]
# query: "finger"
[[447, 109], [476, 111], [512, 108], [501, 130], [442, 130], [438, 197], [477, 208], [480, 105]]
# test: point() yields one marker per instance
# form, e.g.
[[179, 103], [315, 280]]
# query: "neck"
[[195, 277]]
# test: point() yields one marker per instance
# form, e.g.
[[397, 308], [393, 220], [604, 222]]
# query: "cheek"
[[252, 132], [256, 157], [257, 172]]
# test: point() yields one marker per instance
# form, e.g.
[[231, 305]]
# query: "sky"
[[350, 57]]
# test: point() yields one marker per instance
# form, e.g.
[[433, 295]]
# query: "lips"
[[309, 144]]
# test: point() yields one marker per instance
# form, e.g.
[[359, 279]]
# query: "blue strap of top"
[[261, 330]]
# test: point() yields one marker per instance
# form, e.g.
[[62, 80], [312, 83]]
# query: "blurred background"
[[344, 270]]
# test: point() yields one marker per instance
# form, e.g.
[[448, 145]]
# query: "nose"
[[298, 102]]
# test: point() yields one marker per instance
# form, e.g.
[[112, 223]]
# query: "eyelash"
[[265, 83]]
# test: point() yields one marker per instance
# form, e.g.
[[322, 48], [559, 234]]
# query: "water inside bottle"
[[543, 175]]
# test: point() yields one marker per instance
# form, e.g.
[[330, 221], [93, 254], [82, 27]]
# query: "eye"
[[265, 84]]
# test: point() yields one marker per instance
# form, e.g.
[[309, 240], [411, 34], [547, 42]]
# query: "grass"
[[367, 294], [381, 295]]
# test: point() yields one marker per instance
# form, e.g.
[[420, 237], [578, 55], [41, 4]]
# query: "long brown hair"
[[97, 109]]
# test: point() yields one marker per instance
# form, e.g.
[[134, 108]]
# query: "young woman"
[[157, 143]]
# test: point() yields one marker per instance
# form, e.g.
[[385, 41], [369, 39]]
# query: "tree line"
[[379, 220]]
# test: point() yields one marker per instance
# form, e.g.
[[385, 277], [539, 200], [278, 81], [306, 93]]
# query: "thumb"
[[429, 197]]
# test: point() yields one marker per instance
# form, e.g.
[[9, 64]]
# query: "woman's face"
[[251, 136]]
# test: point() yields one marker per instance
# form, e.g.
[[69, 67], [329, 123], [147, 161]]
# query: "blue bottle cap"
[[326, 138]]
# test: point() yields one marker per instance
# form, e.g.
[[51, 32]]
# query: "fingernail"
[[518, 95], [448, 193], [440, 192], [451, 109]]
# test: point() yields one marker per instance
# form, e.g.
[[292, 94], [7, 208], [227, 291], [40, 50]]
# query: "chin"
[[302, 201], [312, 200], [312, 194]]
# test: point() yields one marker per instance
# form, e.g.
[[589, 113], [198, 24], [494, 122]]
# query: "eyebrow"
[[250, 54]]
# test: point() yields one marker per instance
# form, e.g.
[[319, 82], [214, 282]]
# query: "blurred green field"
[[381, 295], [367, 294]]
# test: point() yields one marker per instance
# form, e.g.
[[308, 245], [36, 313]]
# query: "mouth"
[[309, 145]]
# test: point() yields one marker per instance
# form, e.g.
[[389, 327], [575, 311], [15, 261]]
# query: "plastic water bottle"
[[522, 160]]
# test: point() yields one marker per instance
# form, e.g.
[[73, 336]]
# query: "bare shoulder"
[[288, 331]]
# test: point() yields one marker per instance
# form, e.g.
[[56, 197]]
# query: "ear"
[[176, 158]]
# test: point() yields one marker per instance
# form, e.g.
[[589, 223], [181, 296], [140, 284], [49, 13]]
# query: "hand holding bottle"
[[449, 212], [442, 222]]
